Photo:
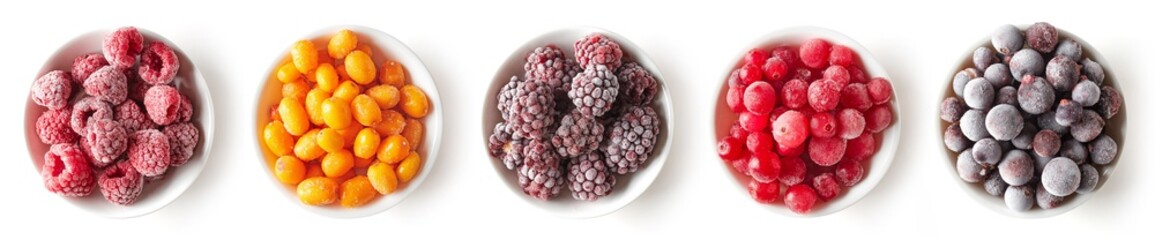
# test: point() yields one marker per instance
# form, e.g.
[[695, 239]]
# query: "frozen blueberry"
[[1004, 122], [999, 75], [1027, 62], [1086, 93], [951, 109], [968, 169], [987, 153], [1046, 143], [1008, 95], [1020, 198], [1017, 168], [1093, 70], [954, 139], [1074, 150], [1045, 199], [973, 125], [1007, 39], [1103, 150], [1035, 95], [1090, 179], [1088, 128], [995, 185], [984, 57], [979, 94], [961, 78], [1040, 162], [1061, 176], [1068, 112], [1025, 137], [1042, 36], [1070, 49], [1062, 73]]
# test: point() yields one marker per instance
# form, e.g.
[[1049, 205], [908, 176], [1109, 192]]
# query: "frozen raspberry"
[[577, 135], [53, 128], [107, 84], [182, 140], [793, 170], [827, 151], [878, 118], [849, 173], [860, 148], [856, 96], [162, 103], [638, 86], [841, 56], [879, 90], [760, 98], [158, 64], [122, 46], [148, 150], [136, 87], [764, 166], [763, 192], [106, 140], [84, 65], [790, 129], [594, 91], [823, 95], [823, 124], [541, 176], [851, 123], [837, 73], [530, 106], [597, 49], [814, 53], [632, 139], [66, 171], [589, 177], [52, 90], [794, 93], [800, 198], [86, 111], [132, 118], [826, 186], [185, 112], [121, 183]]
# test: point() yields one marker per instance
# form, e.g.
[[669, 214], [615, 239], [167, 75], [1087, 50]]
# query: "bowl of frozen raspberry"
[[1032, 121], [119, 122], [577, 122], [806, 122]]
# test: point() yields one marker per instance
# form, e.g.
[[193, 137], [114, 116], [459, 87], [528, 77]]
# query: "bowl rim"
[[980, 196], [189, 173], [887, 148], [433, 122], [563, 206]]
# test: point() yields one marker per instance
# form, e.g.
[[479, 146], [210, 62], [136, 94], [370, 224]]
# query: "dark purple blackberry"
[[530, 107], [638, 86], [502, 146], [589, 177], [594, 90], [597, 49], [505, 97], [547, 64], [564, 104], [541, 175], [577, 135], [632, 139]]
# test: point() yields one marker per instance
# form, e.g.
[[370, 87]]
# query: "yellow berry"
[[306, 148], [289, 170], [342, 43], [357, 191], [365, 146], [336, 164], [393, 73], [304, 56], [413, 101], [317, 191], [277, 139], [360, 67], [386, 96], [288, 73], [335, 111], [382, 177], [409, 167], [365, 110], [414, 131], [326, 77], [294, 116], [330, 140], [393, 149]]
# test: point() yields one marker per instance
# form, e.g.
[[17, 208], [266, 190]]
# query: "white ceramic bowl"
[[878, 164], [155, 195], [629, 186], [1116, 127], [385, 47]]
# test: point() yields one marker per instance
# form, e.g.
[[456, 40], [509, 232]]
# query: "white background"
[[462, 44]]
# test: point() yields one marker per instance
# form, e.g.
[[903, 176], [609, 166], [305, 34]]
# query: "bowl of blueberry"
[[1032, 121]]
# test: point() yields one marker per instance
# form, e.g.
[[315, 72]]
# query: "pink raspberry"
[[148, 150], [827, 151], [860, 148], [790, 129], [108, 84], [182, 140], [826, 186], [66, 171], [122, 46], [84, 65], [851, 123], [823, 95], [121, 183], [841, 56], [106, 140], [158, 64], [86, 111], [151, 179], [854, 96], [132, 118], [879, 90], [185, 112], [162, 103], [794, 93], [137, 88], [53, 128], [878, 118], [52, 90], [814, 53], [597, 49]]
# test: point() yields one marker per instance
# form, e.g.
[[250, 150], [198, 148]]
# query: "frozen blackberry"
[[1074, 150], [577, 135], [1020, 198], [954, 139], [1004, 122], [1027, 62], [52, 90], [973, 125], [999, 75], [530, 110], [1062, 73], [589, 177], [638, 86], [505, 99], [498, 140], [995, 185], [1042, 36], [984, 57], [1103, 150], [541, 176], [1110, 101], [1089, 180], [1093, 71], [967, 168], [1061, 176], [632, 139], [597, 49], [1068, 112], [987, 153], [1007, 39], [1035, 95], [547, 64], [1069, 48], [1089, 126], [1086, 93], [594, 91], [1017, 168]]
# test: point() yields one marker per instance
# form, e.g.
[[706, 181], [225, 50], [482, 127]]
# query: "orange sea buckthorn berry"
[[327, 78], [294, 116], [393, 149], [393, 73], [342, 43], [306, 148], [336, 113], [304, 56], [413, 101], [336, 164], [414, 132], [289, 169], [382, 177], [365, 110], [386, 96], [313, 169], [330, 140], [360, 67], [347, 90], [288, 73], [317, 191], [357, 191], [350, 134], [277, 139], [364, 47], [392, 123], [361, 163], [313, 102], [409, 167], [365, 146], [295, 90]]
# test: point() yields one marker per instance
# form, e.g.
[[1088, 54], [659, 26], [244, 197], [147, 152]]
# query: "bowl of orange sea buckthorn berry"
[[348, 122]]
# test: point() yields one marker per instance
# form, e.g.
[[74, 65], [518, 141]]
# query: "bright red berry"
[[775, 69], [800, 198], [827, 151], [849, 173], [750, 73], [752, 122], [814, 53], [790, 129], [841, 55], [826, 187], [763, 192], [792, 170], [794, 93], [764, 167], [851, 123], [734, 97], [822, 125], [759, 98], [731, 148], [759, 142], [823, 95], [756, 56]]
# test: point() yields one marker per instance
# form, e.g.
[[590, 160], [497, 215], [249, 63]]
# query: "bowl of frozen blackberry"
[[806, 122], [1032, 121], [118, 122], [577, 122]]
